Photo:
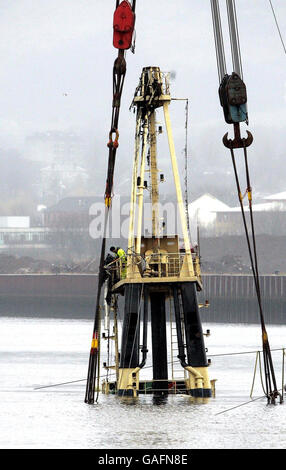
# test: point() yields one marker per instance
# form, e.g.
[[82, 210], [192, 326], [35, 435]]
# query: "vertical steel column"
[[198, 384], [181, 347], [144, 349], [178, 189], [141, 187], [196, 352], [159, 342], [154, 176], [129, 357], [134, 186]]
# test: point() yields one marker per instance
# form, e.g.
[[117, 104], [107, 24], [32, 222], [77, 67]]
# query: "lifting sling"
[[233, 99], [123, 27]]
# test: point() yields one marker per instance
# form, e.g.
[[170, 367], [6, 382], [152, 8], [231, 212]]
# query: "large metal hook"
[[238, 141]]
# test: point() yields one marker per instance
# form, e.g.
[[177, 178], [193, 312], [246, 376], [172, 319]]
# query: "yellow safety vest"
[[121, 254]]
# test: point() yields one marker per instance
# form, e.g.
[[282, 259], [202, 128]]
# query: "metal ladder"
[[110, 338]]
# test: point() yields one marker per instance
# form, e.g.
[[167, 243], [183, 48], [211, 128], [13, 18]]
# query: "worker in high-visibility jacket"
[[121, 256]]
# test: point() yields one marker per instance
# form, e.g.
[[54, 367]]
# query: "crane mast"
[[158, 268]]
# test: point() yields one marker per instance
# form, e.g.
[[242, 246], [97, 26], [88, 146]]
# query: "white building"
[[278, 200], [202, 213], [14, 222], [214, 218]]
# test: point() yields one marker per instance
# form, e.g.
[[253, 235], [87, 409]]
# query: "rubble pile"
[[10, 264], [228, 264]]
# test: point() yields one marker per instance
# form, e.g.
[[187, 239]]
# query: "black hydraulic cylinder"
[[129, 357], [159, 342], [144, 349], [196, 352], [181, 347]]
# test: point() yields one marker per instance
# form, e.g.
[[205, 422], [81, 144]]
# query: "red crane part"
[[123, 25]]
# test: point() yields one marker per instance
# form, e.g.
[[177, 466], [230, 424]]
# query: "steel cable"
[[268, 365], [277, 25], [219, 45], [234, 38], [119, 71]]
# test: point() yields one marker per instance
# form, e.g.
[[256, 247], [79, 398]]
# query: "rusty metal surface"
[[238, 141]]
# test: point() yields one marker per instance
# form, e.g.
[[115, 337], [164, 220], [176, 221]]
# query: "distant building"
[[64, 233], [278, 200], [62, 156], [70, 213], [58, 180], [55, 147], [203, 214], [25, 241], [215, 218], [64, 227], [14, 222], [16, 231]]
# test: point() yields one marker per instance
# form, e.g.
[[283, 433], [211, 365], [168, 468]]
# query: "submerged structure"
[[159, 270]]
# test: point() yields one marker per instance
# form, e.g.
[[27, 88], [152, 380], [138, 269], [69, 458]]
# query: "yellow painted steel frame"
[[154, 176], [198, 378], [133, 194], [176, 175], [128, 382], [163, 100], [141, 187]]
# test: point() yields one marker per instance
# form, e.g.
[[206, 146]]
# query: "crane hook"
[[238, 141]]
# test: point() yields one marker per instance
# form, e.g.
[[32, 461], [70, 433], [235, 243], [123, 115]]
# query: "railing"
[[152, 79], [163, 264], [152, 265]]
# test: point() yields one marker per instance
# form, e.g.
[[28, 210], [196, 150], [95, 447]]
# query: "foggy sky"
[[56, 74]]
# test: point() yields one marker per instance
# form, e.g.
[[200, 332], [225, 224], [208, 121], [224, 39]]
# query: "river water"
[[38, 352]]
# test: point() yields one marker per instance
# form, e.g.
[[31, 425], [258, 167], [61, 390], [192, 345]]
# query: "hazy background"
[[56, 75]]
